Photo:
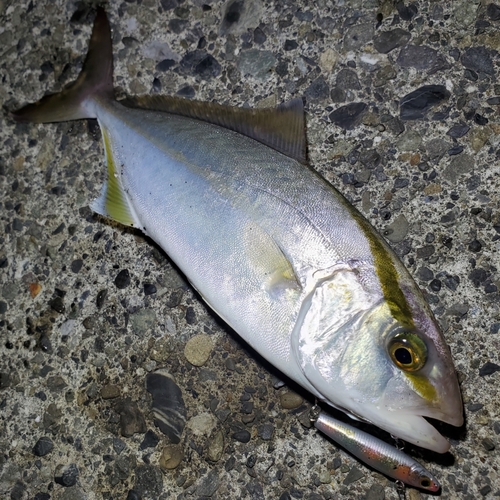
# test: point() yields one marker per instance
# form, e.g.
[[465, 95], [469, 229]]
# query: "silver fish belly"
[[273, 248]]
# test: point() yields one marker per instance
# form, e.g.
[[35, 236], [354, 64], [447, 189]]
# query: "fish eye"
[[408, 351]]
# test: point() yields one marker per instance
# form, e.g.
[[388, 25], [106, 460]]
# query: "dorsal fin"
[[281, 128]]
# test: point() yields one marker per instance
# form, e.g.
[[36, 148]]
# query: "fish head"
[[378, 367]]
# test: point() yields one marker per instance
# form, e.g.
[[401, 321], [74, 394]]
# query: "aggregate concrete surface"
[[89, 311]]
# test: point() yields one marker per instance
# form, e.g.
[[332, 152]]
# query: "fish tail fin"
[[94, 82]]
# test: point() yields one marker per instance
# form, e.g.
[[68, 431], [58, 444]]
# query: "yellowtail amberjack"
[[274, 249]]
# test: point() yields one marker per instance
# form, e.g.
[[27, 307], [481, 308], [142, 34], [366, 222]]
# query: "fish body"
[[273, 248]]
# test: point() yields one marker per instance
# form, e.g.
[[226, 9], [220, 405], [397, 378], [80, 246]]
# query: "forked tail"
[[95, 81]]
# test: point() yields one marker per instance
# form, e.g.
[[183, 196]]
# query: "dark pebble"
[[133, 495], [420, 57], [478, 59], [190, 316], [488, 369], [473, 407], [43, 446], [493, 101], [406, 11], [354, 475], [3, 307], [493, 12], [42, 496], [349, 116], [165, 65], [242, 436], [425, 252], [435, 285], [251, 461], [496, 427], [149, 289], [209, 484], [416, 104], [168, 405], [478, 276], [458, 130], [259, 37], [57, 304], [200, 63], [66, 475], [76, 265], [488, 444], [285, 496], [425, 274], [148, 481], [186, 91], [122, 280], [175, 298], [455, 151], [318, 89], [255, 490], [101, 298], [376, 492], [44, 343], [18, 492], [265, 431], [233, 12], [247, 407], [485, 490], [386, 41], [230, 463], [131, 418], [495, 328], [347, 79], [290, 45], [450, 281], [401, 183], [480, 120], [475, 246], [150, 440]]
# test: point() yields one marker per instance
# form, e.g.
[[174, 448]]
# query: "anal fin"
[[113, 202]]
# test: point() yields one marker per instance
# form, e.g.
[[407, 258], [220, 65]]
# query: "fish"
[[273, 248], [376, 453]]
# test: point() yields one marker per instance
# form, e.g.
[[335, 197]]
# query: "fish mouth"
[[414, 428]]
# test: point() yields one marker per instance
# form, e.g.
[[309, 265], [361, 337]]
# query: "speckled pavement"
[[88, 309]]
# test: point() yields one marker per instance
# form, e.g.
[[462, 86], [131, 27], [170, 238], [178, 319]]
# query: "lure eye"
[[408, 351], [425, 482]]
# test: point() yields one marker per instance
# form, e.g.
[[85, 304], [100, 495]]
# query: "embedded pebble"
[[386, 41], [290, 400], [168, 405], [43, 446], [416, 104], [349, 116], [131, 418], [215, 447], [209, 484], [198, 349], [354, 475], [397, 230], [122, 279], [243, 436], [488, 369], [171, 456], [478, 59], [66, 475]]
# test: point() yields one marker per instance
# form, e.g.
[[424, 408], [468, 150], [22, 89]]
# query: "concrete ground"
[[88, 309]]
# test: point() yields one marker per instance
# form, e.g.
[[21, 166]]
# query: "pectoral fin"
[[270, 264]]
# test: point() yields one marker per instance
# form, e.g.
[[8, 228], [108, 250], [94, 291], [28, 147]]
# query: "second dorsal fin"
[[281, 128]]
